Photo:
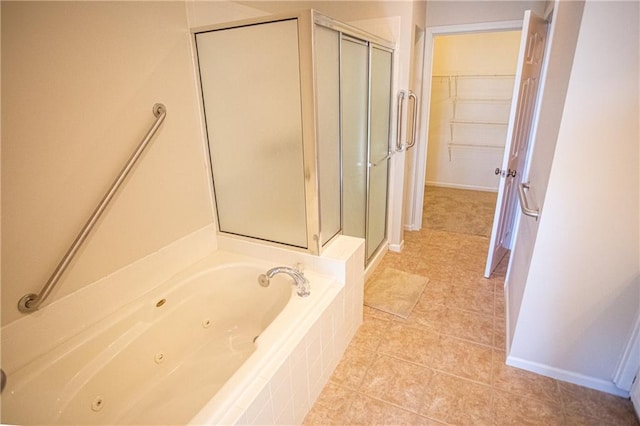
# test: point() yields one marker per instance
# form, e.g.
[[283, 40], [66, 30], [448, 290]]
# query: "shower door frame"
[[306, 21]]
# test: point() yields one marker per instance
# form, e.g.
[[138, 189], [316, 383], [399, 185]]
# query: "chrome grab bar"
[[415, 120], [31, 302], [380, 161], [399, 145], [524, 205]]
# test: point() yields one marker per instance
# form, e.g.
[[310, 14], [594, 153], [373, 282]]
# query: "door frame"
[[420, 168]]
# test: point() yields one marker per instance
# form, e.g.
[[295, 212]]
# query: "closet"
[[297, 113], [471, 90]]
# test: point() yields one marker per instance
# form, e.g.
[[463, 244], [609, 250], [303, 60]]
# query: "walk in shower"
[[297, 112]]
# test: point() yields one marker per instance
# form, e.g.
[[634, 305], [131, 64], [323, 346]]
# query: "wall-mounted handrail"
[[31, 302]]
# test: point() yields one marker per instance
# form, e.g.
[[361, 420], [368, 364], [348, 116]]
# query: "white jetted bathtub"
[[186, 351]]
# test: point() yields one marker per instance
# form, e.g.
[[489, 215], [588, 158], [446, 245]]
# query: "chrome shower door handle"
[[524, 205], [382, 160], [414, 123], [399, 145]]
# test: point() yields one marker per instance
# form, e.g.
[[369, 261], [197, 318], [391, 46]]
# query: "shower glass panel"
[[354, 96], [327, 63], [252, 105], [378, 148]]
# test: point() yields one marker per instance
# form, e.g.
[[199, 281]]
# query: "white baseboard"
[[396, 247], [460, 186], [629, 363], [635, 396], [567, 376]]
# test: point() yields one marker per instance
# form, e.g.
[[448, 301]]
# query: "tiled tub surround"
[[278, 383], [445, 364]]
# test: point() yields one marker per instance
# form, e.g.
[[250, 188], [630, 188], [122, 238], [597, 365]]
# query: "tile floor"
[[444, 364]]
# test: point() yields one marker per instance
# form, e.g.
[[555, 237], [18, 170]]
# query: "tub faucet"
[[301, 282]]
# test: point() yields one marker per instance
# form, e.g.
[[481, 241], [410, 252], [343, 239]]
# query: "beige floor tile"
[[475, 267], [435, 272], [474, 243], [467, 325], [429, 315], [457, 401], [321, 415], [463, 359], [511, 409], [370, 333], [420, 237], [352, 367], [588, 402], [444, 239], [368, 411], [383, 372], [449, 321], [434, 255], [435, 293], [471, 299], [576, 419], [498, 285], [472, 279], [397, 382], [523, 383], [376, 313], [499, 309], [410, 344], [424, 251], [470, 260], [499, 333], [336, 399]]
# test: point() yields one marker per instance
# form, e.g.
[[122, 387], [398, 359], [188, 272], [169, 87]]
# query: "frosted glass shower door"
[[327, 63], [380, 109], [354, 62], [250, 82]]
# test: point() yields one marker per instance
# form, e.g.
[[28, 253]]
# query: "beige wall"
[[476, 53], [582, 290], [79, 80], [446, 12]]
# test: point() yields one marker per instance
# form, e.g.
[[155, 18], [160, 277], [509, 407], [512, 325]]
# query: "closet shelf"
[[473, 145], [484, 123], [453, 145], [475, 75], [482, 100]]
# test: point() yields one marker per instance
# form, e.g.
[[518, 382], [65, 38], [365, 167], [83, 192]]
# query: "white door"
[[532, 43]]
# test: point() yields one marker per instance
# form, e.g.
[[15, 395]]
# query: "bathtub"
[[205, 346]]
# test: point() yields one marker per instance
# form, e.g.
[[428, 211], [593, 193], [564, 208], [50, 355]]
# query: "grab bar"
[[412, 142], [31, 302], [524, 205], [399, 145]]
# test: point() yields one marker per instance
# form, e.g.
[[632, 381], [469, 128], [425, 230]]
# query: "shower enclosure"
[[297, 115]]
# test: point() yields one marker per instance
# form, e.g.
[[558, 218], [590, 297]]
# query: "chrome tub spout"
[[301, 282]]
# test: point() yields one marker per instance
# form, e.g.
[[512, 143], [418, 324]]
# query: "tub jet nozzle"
[[263, 280]]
